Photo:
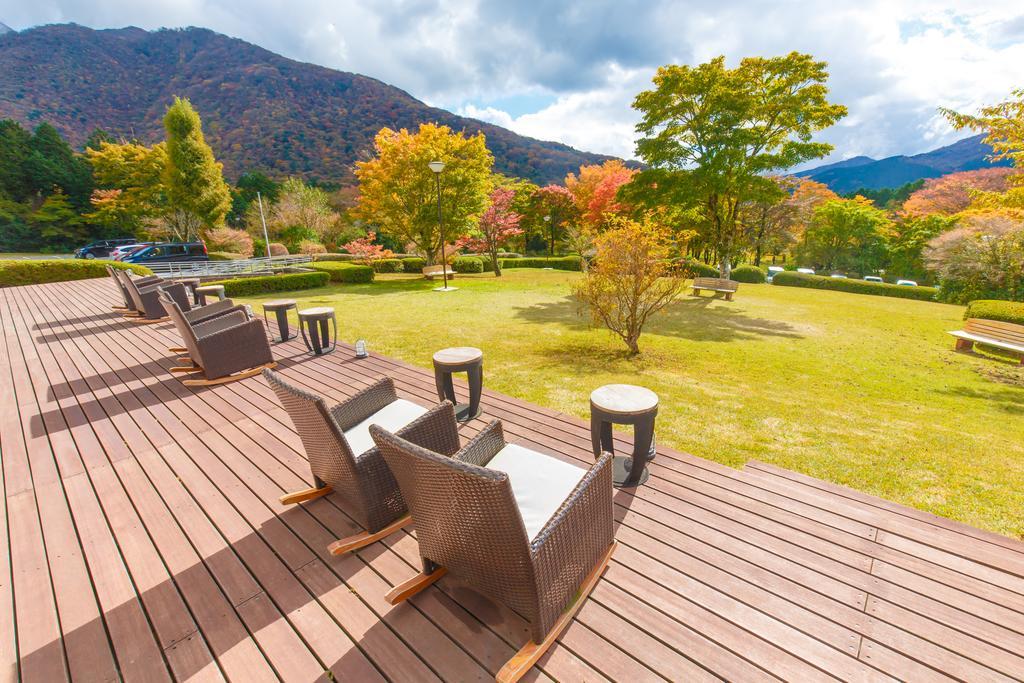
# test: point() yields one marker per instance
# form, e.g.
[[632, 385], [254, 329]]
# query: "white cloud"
[[891, 63]]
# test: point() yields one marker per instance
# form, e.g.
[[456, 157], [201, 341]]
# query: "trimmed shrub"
[[992, 309], [339, 271], [15, 272], [508, 254], [387, 265], [791, 279], [692, 268], [278, 249], [751, 274], [413, 264], [224, 256], [310, 247], [262, 284], [486, 260], [558, 262], [335, 257], [467, 264]]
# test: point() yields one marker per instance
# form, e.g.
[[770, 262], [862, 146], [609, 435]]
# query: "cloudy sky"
[[569, 70]]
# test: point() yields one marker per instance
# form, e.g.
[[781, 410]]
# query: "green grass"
[[859, 390]]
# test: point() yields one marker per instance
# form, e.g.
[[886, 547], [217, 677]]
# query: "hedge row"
[[558, 262], [468, 264], [751, 274], [263, 284], [791, 279], [226, 256], [413, 264], [691, 267], [991, 309], [340, 271], [388, 265], [14, 272]]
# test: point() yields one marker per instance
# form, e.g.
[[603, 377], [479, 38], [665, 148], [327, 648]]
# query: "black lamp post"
[[437, 167]]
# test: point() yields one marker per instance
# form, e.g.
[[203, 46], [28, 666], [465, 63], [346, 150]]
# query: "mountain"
[[260, 111], [4, 28], [874, 174]]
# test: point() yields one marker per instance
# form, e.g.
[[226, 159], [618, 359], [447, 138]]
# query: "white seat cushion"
[[391, 417], [540, 483]]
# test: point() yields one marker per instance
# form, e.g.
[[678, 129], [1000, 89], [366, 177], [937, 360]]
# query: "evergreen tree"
[[59, 224], [14, 153], [199, 197]]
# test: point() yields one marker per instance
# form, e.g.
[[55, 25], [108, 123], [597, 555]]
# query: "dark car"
[[166, 252], [102, 248]]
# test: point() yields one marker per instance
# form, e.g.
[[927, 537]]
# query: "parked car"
[[102, 248], [167, 252], [118, 253], [772, 270], [873, 278], [906, 283], [805, 271], [838, 275]]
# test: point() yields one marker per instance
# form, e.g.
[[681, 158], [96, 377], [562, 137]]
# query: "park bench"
[[715, 284], [432, 272], [1001, 335]]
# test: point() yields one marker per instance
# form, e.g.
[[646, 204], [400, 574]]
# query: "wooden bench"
[[432, 272], [1001, 335], [715, 284]]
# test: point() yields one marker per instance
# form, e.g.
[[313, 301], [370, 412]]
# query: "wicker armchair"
[[225, 349], [523, 528], [343, 457], [146, 298], [129, 305]]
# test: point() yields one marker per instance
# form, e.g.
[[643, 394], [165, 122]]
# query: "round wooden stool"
[[280, 308], [624, 404], [209, 290], [460, 359], [314, 320]]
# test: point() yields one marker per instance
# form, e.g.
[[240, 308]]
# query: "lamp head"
[[436, 166]]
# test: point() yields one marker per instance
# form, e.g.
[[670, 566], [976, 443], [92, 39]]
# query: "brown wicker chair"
[[343, 457], [523, 528], [225, 349], [129, 305], [146, 298]]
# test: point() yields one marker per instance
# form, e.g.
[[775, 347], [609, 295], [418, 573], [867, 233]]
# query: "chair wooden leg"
[[177, 349], [528, 655], [407, 589], [252, 372], [305, 494], [364, 538], [148, 321], [963, 345], [187, 368], [184, 359]]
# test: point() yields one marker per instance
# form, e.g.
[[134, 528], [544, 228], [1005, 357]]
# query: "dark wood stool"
[[280, 308], [624, 404], [314, 320], [460, 359], [191, 283], [209, 290]]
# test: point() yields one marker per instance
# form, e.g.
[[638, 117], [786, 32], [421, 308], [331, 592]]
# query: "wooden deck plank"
[[722, 574]]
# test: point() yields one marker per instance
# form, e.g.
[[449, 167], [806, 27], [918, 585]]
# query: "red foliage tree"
[[953, 193], [365, 250], [498, 224]]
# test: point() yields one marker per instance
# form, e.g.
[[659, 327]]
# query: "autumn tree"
[[197, 195], [982, 258], [595, 192], [770, 222], [552, 207], [397, 191], [952, 193], [711, 135], [58, 222], [906, 242], [846, 234], [498, 224], [631, 279], [130, 185]]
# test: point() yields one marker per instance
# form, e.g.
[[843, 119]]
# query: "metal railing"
[[252, 266]]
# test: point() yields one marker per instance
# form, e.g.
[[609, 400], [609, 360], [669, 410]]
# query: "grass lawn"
[[859, 390]]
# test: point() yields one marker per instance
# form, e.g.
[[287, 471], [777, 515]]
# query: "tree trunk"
[[494, 262], [634, 347], [726, 266]]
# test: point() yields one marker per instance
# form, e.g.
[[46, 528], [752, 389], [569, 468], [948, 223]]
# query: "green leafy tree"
[[14, 153], [397, 191], [198, 196], [130, 190], [52, 163], [846, 234], [907, 241], [58, 222], [243, 194], [711, 135]]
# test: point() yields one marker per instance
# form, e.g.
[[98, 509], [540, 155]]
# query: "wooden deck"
[[145, 541]]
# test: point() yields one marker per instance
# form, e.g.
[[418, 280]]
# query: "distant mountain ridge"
[[859, 172], [261, 111]]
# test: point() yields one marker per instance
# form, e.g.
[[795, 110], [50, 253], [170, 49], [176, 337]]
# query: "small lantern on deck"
[[361, 351]]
